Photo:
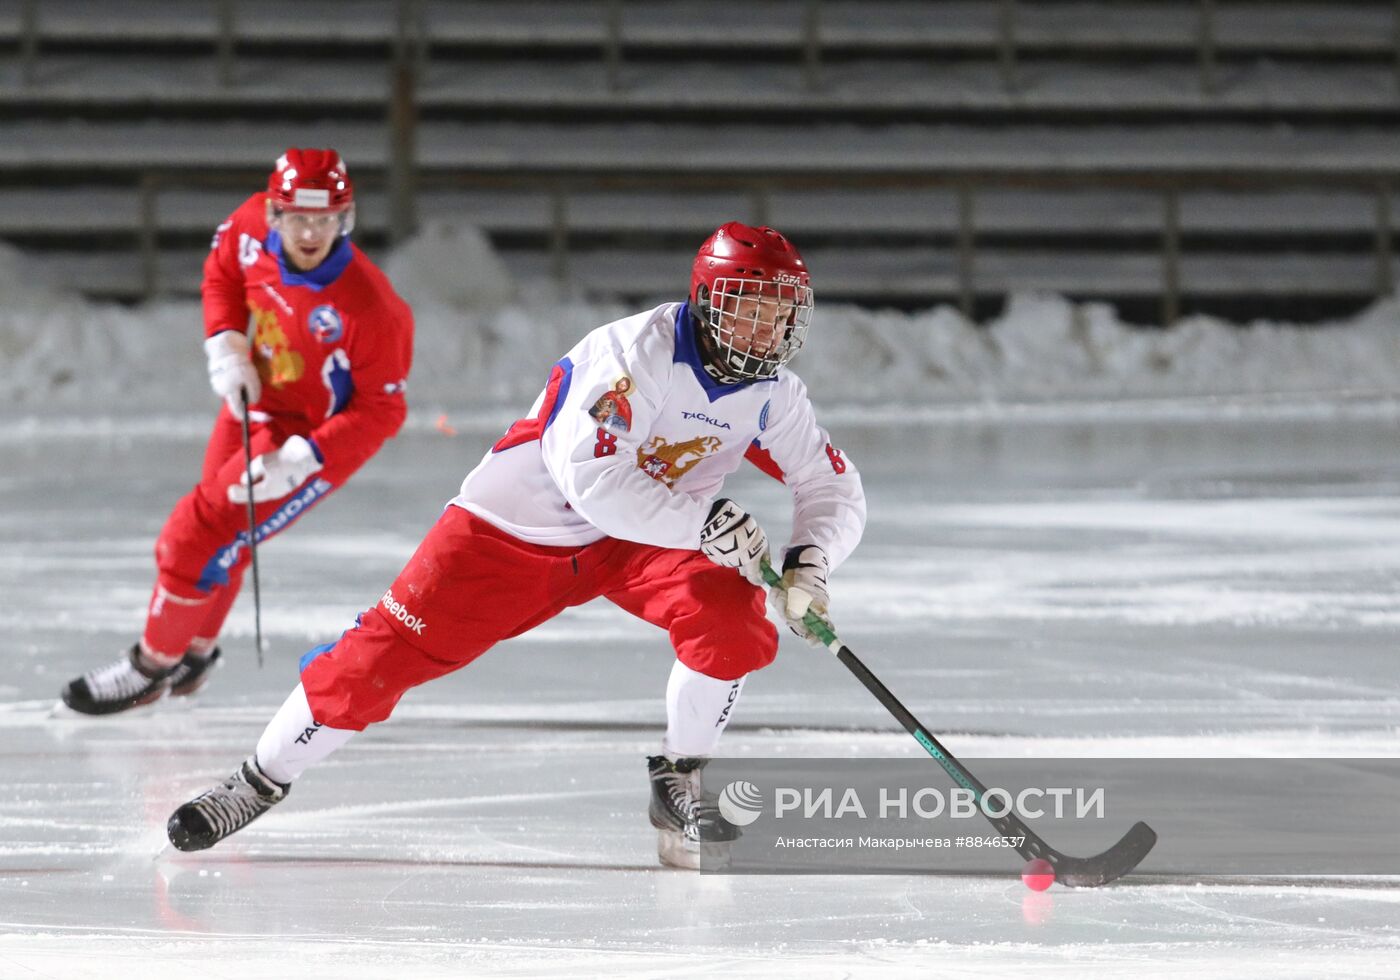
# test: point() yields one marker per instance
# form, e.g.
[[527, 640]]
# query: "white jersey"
[[631, 439]]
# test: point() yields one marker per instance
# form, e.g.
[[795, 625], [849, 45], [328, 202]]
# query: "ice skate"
[[132, 681], [689, 825], [228, 807], [192, 673]]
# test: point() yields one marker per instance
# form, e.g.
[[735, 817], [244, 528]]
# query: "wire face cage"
[[758, 325]]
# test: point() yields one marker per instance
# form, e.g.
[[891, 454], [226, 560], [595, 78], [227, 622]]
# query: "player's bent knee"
[[358, 680], [732, 651], [726, 633]]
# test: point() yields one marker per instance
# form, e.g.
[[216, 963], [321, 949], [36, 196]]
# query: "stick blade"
[[1113, 863]]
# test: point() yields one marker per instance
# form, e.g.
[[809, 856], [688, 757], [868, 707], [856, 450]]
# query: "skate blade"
[[165, 704], [675, 851], [62, 712]]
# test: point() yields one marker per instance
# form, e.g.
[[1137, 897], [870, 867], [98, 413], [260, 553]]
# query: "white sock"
[[697, 709], [293, 742]]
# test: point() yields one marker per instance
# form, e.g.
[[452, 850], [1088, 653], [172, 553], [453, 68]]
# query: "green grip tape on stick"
[[820, 628]]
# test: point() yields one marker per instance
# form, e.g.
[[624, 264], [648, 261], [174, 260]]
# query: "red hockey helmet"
[[752, 298], [312, 180]]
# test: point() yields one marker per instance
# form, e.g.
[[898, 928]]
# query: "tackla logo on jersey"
[[702, 417], [662, 461], [613, 410]]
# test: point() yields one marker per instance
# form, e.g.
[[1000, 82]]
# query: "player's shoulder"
[[251, 216], [646, 340], [247, 221], [370, 289], [789, 389], [650, 335], [787, 400]]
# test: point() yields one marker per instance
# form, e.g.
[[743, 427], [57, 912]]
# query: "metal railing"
[[410, 40], [814, 41], [967, 188]]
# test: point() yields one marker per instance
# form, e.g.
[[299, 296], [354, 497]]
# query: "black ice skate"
[[228, 807], [192, 673], [690, 825], [129, 683]]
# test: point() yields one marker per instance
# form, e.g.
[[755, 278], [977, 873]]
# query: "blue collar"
[[688, 352], [318, 278]]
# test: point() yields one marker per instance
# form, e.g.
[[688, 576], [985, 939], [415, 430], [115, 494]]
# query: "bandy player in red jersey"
[[324, 377], [609, 488]]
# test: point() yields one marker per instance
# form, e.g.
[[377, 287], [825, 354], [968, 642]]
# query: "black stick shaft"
[[912, 725], [1076, 872], [1009, 825], [252, 527]]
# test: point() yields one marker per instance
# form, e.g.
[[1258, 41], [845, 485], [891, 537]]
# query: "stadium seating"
[[1166, 155]]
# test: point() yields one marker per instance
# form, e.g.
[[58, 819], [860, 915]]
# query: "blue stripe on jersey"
[[688, 352], [335, 374], [564, 383], [318, 278], [216, 572], [532, 429]]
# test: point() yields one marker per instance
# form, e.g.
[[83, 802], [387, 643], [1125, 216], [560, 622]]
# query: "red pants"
[[203, 548], [470, 585]]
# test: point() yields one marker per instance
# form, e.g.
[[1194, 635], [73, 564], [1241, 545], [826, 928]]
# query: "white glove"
[[805, 567], [231, 368], [731, 538], [277, 473]]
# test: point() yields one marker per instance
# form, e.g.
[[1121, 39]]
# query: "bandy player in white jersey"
[[609, 488]]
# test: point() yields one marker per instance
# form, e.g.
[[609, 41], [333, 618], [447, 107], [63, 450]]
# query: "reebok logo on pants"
[[396, 610]]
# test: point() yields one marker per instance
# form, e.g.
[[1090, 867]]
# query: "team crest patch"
[[667, 463], [325, 324], [763, 416], [278, 364], [613, 410]]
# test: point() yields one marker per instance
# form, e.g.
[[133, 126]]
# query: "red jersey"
[[333, 346]]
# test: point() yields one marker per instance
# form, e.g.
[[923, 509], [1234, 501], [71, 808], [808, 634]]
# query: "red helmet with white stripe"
[[752, 300], [312, 180]]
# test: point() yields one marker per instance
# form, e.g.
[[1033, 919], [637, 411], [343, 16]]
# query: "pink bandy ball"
[[1038, 874]]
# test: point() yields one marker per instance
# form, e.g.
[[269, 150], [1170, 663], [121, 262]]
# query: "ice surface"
[[1179, 577], [1084, 540]]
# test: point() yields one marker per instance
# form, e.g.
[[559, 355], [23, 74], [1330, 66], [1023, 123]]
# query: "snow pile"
[[1045, 347], [59, 349], [486, 340], [453, 265]]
